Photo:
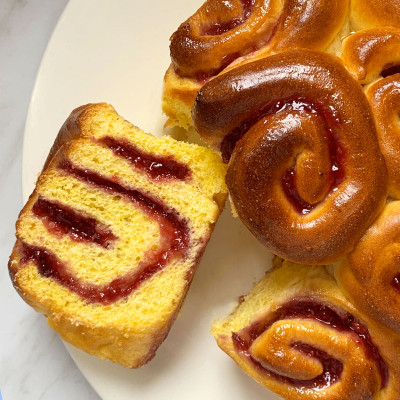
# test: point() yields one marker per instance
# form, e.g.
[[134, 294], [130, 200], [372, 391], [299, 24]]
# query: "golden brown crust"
[[368, 52], [282, 25], [272, 26], [384, 97], [194, 51], [71, 130], [362, 377], [309, 24], [273, 143], [369, 13], [367, 275]]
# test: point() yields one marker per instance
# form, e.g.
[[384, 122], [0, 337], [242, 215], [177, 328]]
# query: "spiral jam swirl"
[[222, 31], [306, 175], [245, 342], [370, 274], [63, 220], [298, 335]]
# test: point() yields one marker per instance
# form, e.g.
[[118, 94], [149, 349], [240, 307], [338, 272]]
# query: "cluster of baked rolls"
[[302, 98]]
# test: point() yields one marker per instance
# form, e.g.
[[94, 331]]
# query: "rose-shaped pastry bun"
[[297, 335], [224, 33], [306, 174]]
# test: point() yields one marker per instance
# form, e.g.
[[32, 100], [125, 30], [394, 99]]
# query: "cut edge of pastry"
[[129, 330]]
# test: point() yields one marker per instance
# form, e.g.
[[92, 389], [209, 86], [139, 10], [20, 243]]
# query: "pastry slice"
[[111, 236]]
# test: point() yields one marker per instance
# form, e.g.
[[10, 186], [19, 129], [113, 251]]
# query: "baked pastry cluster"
[[224, 34], [300, 98], [108, 242], [309, 129]]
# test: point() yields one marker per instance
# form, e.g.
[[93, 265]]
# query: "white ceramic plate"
[[117, 51]]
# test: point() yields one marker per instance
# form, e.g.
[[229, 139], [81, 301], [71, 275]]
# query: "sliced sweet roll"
[[297, 335], [223, 34], [373, 58], [370, 275], [111, 236], [305, 174]]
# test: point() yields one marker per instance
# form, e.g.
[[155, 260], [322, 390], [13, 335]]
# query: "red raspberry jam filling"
[[174, 242], [218, 28], [396, 282], [389, 70], [341, 320], [156, 167], [337, 154], [63, 220]]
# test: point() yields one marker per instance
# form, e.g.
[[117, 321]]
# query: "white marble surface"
[[34, 364]]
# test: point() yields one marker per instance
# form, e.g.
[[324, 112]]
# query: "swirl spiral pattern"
[[370, 55], [306, 175], [221, 31], [306, 341], [223, 34], [109, 240]]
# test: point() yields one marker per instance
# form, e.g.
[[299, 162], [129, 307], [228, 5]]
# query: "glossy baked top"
[[305, 175]]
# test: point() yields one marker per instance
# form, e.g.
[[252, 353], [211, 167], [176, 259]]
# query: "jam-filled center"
[[221, 27], [336, 150], [308, 309], [209, 39]]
